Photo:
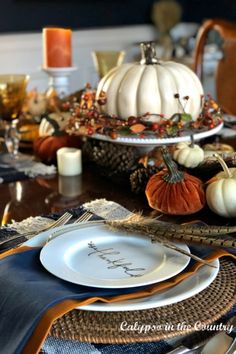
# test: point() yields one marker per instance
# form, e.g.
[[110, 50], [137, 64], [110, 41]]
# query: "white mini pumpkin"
[[150, 86], [216, 148], [188, 154], [60, 121], [221, 192], [37, 103], [45, 128]]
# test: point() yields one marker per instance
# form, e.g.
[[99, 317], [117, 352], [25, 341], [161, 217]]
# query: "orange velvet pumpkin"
[[174, 192], [45, 147]]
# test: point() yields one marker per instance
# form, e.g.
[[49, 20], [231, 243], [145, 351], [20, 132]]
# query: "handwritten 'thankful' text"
[[108, 254]]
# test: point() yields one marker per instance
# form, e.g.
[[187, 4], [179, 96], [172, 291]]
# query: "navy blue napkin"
[[27, 291]]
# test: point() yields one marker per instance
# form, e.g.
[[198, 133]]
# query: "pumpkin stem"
[[148, 54], [192, 141], [173, 175], [227, 171]]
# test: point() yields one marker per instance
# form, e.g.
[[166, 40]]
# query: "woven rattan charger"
[[105, 327]]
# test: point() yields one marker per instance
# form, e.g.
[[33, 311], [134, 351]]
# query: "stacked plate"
[[92, 255]]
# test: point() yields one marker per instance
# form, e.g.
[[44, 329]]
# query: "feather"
[[190, 229], [172, 246], [217, 236], [122, 225]]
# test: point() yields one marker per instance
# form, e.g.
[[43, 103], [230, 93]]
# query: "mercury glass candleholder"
[[104, 61], [59, 79]]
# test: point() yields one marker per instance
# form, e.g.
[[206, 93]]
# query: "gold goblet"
[[104, 61], [12, 96]]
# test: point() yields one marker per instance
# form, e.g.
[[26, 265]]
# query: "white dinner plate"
[[184, 290], [98, 257]]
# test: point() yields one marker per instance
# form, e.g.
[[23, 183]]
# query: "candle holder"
[[106, 60], [59, 79]]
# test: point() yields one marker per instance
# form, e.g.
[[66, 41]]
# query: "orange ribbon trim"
[[42, 329], [15, 250]]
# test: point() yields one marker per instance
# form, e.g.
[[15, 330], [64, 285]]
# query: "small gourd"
[[152, 85], [37, 103], [52, 136], [45, 147], [174, 192], [45, 128], [221, 191], [29, 132], [53, 123], [188, 154], [216, 148]]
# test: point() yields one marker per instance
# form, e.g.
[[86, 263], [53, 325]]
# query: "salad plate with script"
[[95, 256]]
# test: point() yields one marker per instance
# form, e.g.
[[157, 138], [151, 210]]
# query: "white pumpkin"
[[61, 119], [150, 86], [216, 148], [221, 192], [37, 103], [45, 128], [188, 154]]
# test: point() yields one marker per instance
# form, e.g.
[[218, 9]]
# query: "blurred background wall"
[[32, 15], [97, 25]]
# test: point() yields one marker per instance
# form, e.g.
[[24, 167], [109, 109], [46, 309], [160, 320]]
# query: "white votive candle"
[[69, 161]]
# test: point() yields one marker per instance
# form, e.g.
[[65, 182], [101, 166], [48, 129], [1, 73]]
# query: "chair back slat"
[[225, 75]]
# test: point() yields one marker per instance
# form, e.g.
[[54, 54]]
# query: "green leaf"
[[186, 117], [124, 130], [172, 131]]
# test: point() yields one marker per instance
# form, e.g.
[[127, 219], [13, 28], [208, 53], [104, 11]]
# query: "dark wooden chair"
[[225, 75]]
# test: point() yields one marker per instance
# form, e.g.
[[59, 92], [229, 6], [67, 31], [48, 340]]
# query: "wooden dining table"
[[49, 194]]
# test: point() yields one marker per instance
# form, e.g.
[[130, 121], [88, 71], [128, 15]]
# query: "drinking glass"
[[12, 96], [104, 61]]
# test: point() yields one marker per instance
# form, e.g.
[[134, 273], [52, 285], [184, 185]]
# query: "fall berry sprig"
[[87, 119]]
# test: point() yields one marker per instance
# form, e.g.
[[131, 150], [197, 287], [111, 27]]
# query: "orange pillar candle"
[[56, 48]]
